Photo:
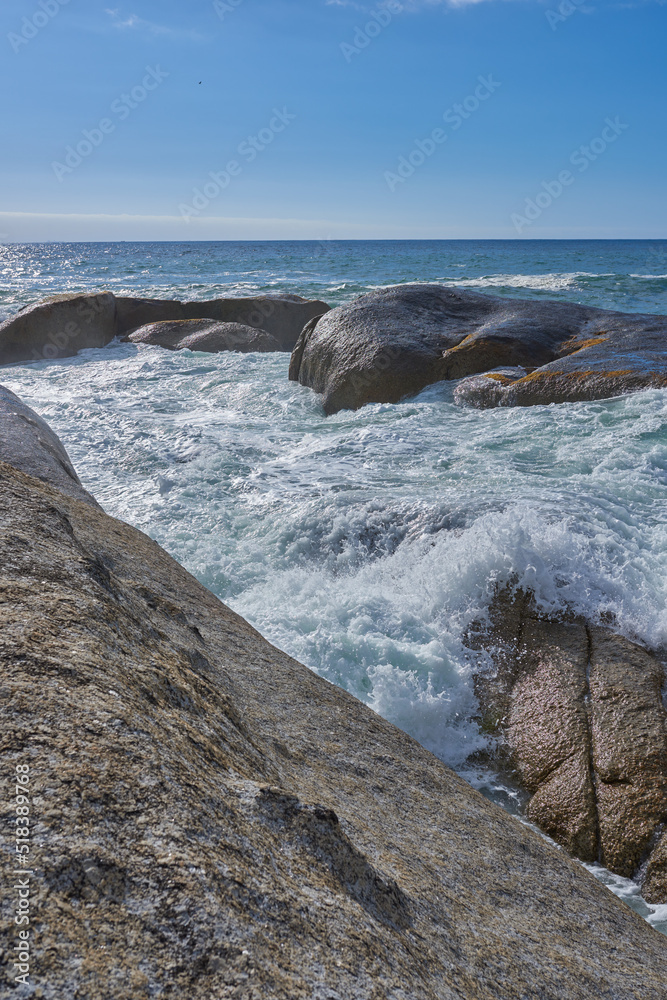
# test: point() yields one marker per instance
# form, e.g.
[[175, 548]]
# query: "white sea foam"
[[539, 282], [630, 892]]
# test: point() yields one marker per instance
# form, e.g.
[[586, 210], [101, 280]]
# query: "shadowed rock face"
[[62, 326], [393, 342], [584, 727], [205, 335], [58, 328], [211, 819]]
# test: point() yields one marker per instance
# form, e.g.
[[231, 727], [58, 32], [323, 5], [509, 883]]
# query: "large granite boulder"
[[58, 327], [395, 341], [210, 819], [28, 443], [583, 727], [205, 335], [61, 326]]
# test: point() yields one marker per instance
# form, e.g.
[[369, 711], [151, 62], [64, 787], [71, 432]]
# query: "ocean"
[[366, 544]]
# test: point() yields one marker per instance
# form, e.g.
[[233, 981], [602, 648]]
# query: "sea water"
[[366, 544]]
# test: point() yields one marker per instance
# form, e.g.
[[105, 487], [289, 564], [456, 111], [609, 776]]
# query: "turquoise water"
[[366, 543]]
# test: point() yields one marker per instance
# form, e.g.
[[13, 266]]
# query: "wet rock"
[[231, 337], [213, 819], [584, 728], [393, 342], [384, 345], [205, 335], [58, 327], [28, 443], [570, 380]]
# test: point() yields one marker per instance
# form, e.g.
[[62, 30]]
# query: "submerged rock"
[[584, 728], [205, 335], [395, 341], [212, 819], [62, 326]]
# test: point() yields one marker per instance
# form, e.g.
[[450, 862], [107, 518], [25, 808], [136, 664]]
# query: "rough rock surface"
[[28, 443], [211, 819], [65, 324], [584, 726], [393, 342], [205, 335]]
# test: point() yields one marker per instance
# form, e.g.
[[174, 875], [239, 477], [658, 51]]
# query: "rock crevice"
[[582, 724]]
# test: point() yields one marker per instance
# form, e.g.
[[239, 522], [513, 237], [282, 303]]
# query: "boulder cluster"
[[61, 326], [393, 342]]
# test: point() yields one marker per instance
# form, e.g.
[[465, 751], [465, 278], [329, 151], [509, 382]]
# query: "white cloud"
[[130, 21]]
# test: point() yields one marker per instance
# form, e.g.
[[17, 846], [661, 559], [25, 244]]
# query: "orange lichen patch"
[[463, 343], [573, 346], [504, 379], [573, 375], [534, 376]]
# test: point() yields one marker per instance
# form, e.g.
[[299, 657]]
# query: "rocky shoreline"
[[211, 818]]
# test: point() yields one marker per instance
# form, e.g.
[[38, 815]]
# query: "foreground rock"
[[393, 342], [205, 335], [28, 443], [585, 729], [61, 326], [211, 819]]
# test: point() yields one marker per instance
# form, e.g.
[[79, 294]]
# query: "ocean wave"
[[540, 282], [366, 544]]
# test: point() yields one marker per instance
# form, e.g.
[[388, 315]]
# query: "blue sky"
[[325, 114]]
